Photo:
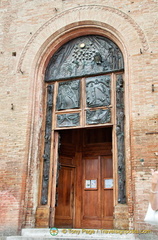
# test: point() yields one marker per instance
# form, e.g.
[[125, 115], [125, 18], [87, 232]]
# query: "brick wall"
[[27, 30]]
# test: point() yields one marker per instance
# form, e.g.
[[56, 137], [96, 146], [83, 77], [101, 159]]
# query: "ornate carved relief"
[[68, 120], [46, 156], [99, 116], [98, 91], [68, 95], [120, 138], [84, 56]]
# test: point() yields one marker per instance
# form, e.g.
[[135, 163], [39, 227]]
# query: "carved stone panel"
[[98, 91], [83, 56], [68, 120], [99, 116], [68, 95], [120, 138], [47, 145]]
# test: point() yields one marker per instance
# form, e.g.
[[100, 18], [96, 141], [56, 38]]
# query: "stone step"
[[85, 234]]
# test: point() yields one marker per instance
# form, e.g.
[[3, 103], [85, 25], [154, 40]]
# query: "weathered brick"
[[25, 30]]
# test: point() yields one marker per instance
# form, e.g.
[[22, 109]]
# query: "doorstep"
[[86, 234]]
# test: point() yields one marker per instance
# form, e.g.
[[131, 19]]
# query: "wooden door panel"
[[97, 204], [91, 199], [91, 168], [107, 202], [107, 194], [91, 208], [91, 223], [65, 190], [108, 223], [66, 160], [64, 211], [107, 167], [97, 149]]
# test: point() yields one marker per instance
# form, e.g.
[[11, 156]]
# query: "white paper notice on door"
[[108, 183], [94, 183], [88, 184], [91, 183]]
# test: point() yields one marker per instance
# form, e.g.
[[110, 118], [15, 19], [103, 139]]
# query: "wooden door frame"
[[77, 210]]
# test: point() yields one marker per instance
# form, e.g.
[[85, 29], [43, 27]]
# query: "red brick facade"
[[31, 31]]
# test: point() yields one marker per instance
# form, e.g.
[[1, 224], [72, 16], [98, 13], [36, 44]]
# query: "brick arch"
[[35, 56], [110, 19]]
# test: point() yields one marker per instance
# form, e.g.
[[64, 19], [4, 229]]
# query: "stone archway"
[[35, 57]]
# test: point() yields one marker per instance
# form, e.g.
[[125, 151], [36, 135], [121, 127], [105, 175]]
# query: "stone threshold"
[[86, 234]]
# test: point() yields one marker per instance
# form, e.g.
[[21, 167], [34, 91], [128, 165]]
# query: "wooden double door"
[[84, 194]]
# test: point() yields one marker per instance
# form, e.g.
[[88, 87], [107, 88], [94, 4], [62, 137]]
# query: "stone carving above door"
[[84, 56], [99, 116], [68, 95], [98, 91], [68, 120]]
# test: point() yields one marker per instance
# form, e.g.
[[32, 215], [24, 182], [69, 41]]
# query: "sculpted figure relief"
[[68, 95], [120, 138], [68, 120], [85, 55], [98, 91], [98, 116], [46, 155]]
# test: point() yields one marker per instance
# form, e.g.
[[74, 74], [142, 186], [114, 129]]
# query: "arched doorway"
[[85, 115]]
